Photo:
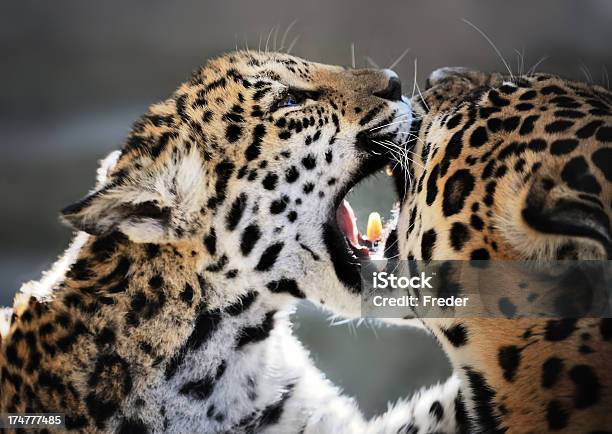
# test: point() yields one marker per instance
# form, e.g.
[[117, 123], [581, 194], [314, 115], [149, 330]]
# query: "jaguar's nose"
[[393, 91]]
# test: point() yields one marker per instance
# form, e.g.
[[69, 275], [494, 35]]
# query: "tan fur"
[[521, 404], [185, 224]]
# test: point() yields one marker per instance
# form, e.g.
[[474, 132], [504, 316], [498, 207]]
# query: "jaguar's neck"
[[508, 365], [128, 323], [486, 354]]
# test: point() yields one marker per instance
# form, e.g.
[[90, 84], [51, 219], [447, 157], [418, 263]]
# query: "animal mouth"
[[350, 249], [364, 246]]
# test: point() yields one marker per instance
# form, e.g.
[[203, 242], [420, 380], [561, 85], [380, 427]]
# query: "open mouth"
[[364, 246], [351, 248]]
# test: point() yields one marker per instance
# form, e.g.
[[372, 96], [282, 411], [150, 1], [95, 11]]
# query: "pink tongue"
[[345, 217]]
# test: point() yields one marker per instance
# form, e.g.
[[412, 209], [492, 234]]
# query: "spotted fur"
[[169, 312], [515, 168]]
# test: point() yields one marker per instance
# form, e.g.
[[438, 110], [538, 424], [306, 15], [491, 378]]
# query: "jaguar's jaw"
[[348, 248]]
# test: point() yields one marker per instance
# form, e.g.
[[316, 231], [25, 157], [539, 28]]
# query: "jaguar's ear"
[[445, 87], [137, 214], [462, 78], [156, 204]]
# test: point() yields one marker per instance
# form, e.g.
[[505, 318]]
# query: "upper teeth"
[[374, 227]]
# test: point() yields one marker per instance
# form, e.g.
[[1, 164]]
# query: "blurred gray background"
[[74, 75]]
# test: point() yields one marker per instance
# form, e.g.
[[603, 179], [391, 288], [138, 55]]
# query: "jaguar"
[[514, 168], [170, 310]]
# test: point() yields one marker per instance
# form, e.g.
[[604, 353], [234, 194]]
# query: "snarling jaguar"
[[169, 312]]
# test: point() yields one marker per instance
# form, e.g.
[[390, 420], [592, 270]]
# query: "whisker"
[[268, 39], [336, 322], [373, 328], [405, 150], [586, 77], [605, 77], [395, 165], [417, 85], [402, 158], [484, 35], [396, 157], [371, 62], [391, 245], [391, 123], [352, 329], [414, 153], [408, 181], [286, 33], [414, 78], [588, 70], [518, 61], [275, 35], [422, 99], [411, 136], [353, 54], [399, 59], [587, 73], [403, 121], [532, 70], [397, 265], [293, 44], [398, 154]]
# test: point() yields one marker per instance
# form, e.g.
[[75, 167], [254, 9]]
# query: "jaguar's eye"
[[288, 100]]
